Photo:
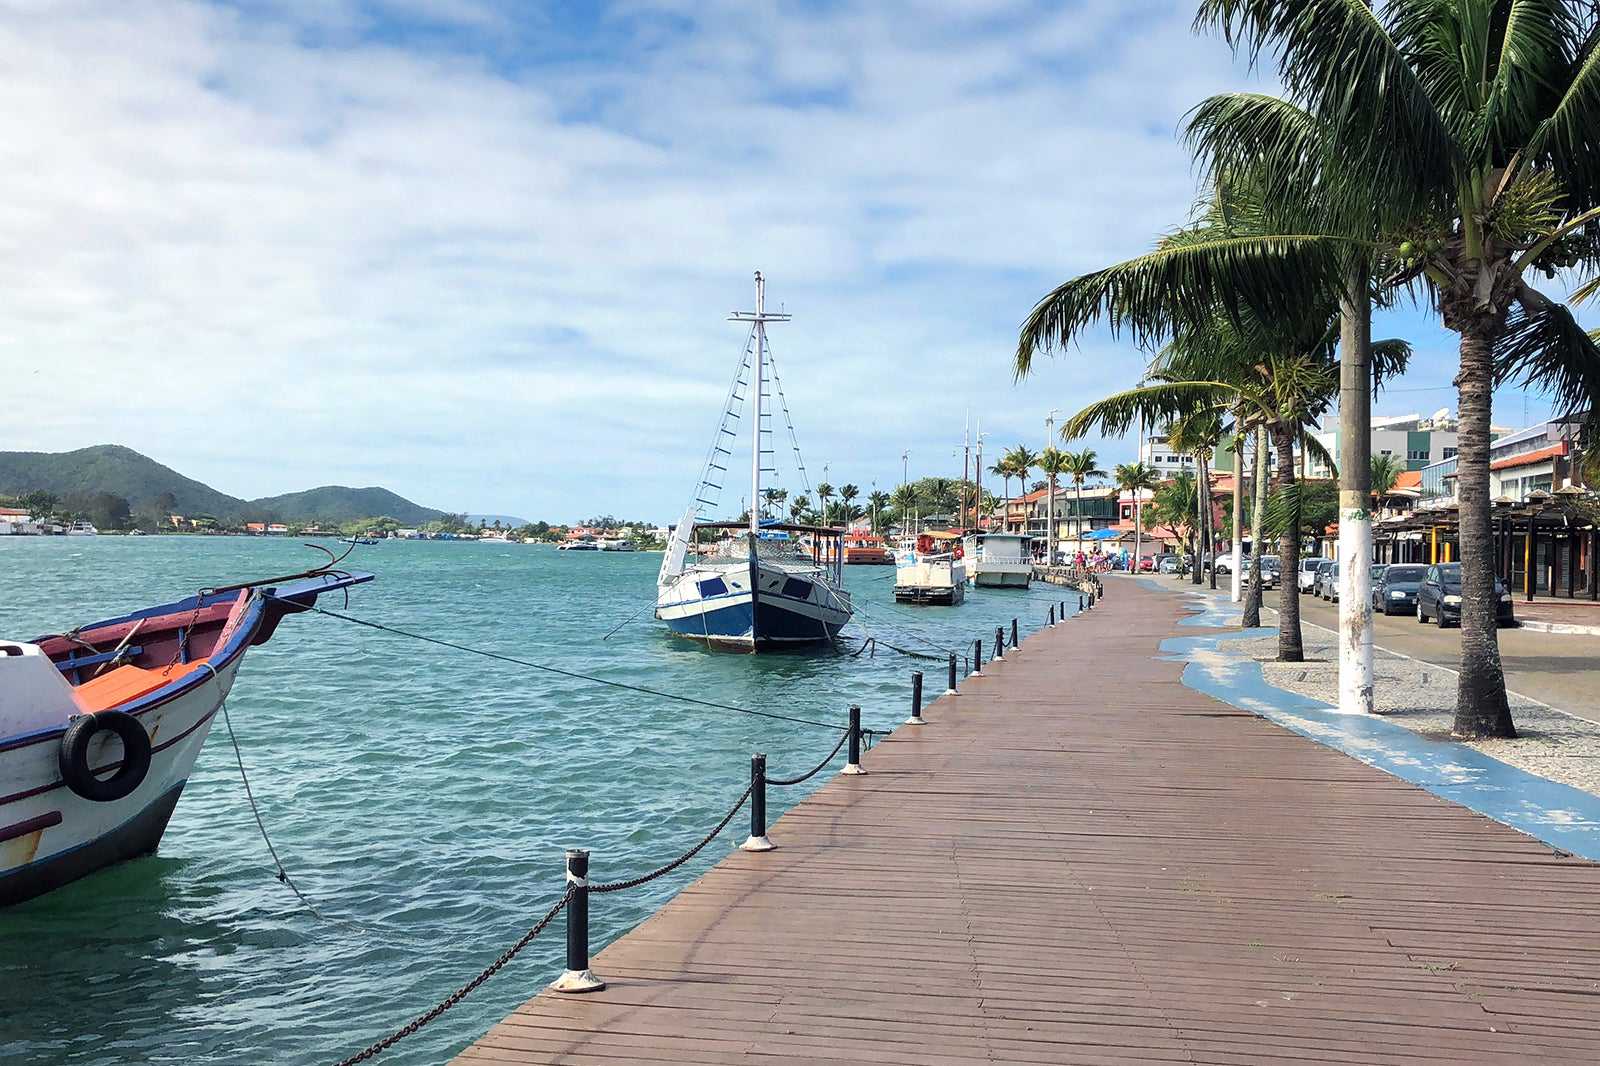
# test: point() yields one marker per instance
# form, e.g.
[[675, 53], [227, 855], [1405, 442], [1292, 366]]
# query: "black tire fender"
[[73, 756]]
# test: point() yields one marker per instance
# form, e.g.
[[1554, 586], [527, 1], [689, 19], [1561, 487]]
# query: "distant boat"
[[82, 528], [358, 540], [100, 728], [617, 546], [998, 560], [579, 546], [867, 549], [757, 585], [929, 569]]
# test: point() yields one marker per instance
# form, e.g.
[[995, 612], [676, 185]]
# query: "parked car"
[[1271, 572], [1306, 578], [1168, 564], [1439, 597], [1330, 583], [1319, 576], [1377, 572], [1396, 591]]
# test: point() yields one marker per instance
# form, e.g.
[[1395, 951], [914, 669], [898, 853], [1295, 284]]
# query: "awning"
[[1102, 534]]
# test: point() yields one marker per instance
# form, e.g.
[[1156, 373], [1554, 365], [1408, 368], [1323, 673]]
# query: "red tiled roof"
[[1409, 479], [1528, 458]]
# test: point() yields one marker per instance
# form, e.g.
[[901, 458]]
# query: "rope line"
[[574, 674], [461, 993], [662, 871], [786, 781]]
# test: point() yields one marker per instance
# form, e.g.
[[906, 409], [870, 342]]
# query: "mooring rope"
[[574, 674], [787, 781], [461, 993]]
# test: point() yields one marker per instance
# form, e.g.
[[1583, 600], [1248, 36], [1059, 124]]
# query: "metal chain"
[[619, 886], [461, 993], [784, 782]]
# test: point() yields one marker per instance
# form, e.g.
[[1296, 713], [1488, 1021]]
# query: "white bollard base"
[[757, 844], [914, 720], [575, 981], [853, 770]]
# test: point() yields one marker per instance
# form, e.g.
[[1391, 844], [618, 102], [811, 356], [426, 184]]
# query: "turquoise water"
[[423, 793]]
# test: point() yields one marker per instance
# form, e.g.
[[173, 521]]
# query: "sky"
[[483, 253]]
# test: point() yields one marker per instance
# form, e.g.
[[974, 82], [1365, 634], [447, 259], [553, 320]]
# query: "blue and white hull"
[[787, 607]]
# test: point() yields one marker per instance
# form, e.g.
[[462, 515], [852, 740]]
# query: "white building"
[[1157, 453]]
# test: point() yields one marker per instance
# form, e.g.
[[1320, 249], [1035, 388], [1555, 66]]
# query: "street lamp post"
[[1050, 492]]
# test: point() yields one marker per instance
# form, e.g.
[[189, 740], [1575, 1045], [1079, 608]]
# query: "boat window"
[[713, 586], [796, 589]]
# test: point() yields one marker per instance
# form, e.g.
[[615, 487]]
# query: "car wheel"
[[1421, 618], [1440, 619]]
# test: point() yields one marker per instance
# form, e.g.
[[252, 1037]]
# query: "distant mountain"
[[506, 520], [335, 503], [149, 487], [120, 471]]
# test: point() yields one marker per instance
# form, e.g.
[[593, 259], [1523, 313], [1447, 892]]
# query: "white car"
[[1306, 578]]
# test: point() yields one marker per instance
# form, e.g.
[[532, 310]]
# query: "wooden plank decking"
[[1081, 860]]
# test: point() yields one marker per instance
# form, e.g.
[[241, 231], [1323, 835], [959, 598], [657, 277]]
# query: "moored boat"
[[998, 560], [867, 549], [757, 585], [929, 568], [100, 727], [82, 528]]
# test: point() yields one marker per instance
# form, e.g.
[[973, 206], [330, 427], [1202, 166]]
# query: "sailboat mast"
[[755, 401]]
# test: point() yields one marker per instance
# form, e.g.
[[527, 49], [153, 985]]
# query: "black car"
[[1439, 597], [1395, 592]]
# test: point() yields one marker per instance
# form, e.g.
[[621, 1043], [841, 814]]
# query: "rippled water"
[[423, 793]]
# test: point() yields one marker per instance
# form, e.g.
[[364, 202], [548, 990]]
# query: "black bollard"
[[852, 764], [977, 659], [999, 642], [916, 699], [758, 806], [951, 690], [578, 977], [1014, 640]]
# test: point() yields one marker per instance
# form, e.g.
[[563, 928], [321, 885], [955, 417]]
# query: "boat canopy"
[[776, 527]]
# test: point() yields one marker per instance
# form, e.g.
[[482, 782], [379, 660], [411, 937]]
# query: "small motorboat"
[[82, 528], [100, 727], [999, 560], [365, 541], [867, 549], [929, 569]]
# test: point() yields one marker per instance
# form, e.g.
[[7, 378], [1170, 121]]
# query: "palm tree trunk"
[[1211, 524], [1236, 578], [1199, 528], [1481, 707], [1355, 493], [1290, 647], [1252, 603]]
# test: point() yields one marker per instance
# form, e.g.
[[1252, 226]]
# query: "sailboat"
[[757, 585]]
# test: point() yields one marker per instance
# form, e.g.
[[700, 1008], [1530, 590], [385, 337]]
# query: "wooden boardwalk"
[[1079, 860]]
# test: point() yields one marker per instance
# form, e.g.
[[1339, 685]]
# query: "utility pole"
[[977, 479], [966, 461], [1050, 492]]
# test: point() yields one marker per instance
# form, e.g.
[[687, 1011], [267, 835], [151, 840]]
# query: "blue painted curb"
[[1564, 817]]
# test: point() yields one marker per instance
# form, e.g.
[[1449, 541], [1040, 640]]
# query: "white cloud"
[[276, 250]]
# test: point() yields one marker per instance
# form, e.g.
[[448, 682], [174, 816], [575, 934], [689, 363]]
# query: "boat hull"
[[49, 835], [714, 605], [931, 595], [1012, 578]]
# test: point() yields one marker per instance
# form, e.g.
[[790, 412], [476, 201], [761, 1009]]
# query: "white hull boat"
[[998, 560], [100, 728], [929, 571]]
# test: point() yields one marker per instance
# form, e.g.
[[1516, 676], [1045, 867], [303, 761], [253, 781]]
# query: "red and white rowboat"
[[100, 727]]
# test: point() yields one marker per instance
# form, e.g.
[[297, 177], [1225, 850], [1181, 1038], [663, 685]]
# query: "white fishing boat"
[[998, 560], [82, 528], [753, 585], [930, 568]]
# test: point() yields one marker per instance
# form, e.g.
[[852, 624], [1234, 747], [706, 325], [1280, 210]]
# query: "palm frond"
[[1566, 137], [1544, 348], [1185, 283], [1531, 59], [1314, 450], [1160, 403], [1338, 59], [1390, 357]]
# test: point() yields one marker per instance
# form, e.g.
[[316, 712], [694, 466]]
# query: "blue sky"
[[482, 253]]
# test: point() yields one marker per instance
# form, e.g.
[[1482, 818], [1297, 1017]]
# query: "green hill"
[[335, 503], [151, 488], [120, 471]]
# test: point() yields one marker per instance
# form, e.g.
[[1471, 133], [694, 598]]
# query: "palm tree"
[[1002, 470], [1198, 435], [1386, 471], [1021, 459], [1080, 466], [1052, 463], [798, 508], [1174, 504], [1134, 478], [824, 494], [1473, 124], [879, 500], [847, 496], [905, 502]]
